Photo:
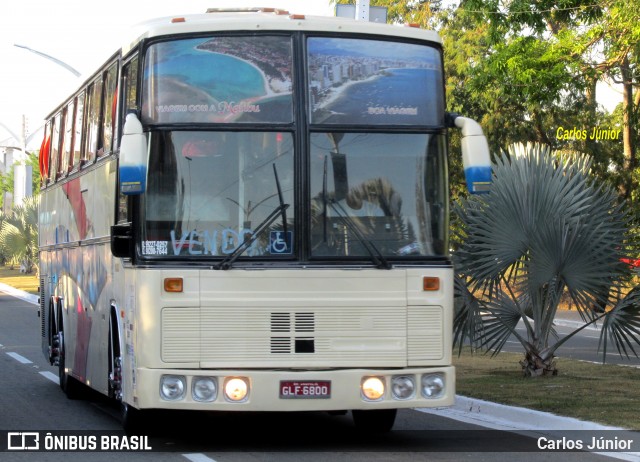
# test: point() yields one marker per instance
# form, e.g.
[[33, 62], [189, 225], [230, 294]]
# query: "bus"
[[248, 211]]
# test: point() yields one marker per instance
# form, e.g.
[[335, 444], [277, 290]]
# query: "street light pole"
[[50, 58]]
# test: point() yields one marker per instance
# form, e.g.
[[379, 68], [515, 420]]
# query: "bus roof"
[[260, 19]]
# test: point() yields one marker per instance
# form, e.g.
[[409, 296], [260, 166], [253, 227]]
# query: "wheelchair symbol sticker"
[[280, 243]]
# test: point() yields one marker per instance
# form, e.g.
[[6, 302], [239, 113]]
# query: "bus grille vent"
[[302, 322], [280, 345], [280, 322], [305, 322]]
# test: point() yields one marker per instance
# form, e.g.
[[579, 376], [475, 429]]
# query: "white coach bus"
[[248, 211]]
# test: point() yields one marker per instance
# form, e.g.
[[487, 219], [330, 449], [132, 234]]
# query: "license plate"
[[292, 389]]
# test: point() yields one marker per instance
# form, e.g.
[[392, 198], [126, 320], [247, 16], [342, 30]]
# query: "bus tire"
[[53, 337], [375, 420], [72, 387], [133, 420], [114, 360]]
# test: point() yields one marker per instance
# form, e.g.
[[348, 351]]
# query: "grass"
[[14, 278], [605, 394]]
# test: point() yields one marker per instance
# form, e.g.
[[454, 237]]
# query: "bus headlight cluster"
[[236, 389], [173, 387], [372, 388], [403, 387], [204, 389], [432, 385]]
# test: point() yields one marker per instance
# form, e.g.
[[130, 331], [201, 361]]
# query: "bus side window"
[[130, 86], [55, 148], [94, 95], [109, 108], [130, 79], [45, 149], [76, 152], [67, 142]]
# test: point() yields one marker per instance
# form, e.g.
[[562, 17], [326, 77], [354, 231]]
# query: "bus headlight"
[[172, 387], [372, 388], [204, 389], [432, 385], [236, 388], [403, 386]]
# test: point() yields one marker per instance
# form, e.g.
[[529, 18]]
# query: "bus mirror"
[[121, 241], [133, 157], [475, 156]]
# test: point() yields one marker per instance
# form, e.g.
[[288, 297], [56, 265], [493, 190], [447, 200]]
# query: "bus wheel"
[[133, 420], [374, 421], [114, 361], [72, 387], [54, 338]]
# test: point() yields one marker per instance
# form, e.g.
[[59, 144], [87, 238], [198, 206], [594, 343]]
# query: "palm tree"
[[19, 234], [546, 233]]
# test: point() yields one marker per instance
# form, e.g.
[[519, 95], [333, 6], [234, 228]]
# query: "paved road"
[[32, 401]]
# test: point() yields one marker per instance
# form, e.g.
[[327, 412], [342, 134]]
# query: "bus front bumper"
[[294, 390]]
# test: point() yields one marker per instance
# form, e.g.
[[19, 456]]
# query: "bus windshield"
[[390, 187], [219, 80], [373, 82], [208, 191], [363, 177]]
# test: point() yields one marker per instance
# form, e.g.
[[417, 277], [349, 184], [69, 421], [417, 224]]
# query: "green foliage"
[[531, 71], [547, 232], [19, 234], [539, 72]]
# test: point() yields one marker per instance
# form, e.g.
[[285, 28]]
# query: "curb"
[[22, 295], [525, 421], [502, 417]]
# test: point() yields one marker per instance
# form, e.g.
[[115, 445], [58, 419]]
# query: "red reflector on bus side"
[[174, 20], [173, 285], [296, 16], [430, 284]]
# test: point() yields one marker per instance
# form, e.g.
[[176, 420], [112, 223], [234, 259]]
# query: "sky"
[[83, 34]]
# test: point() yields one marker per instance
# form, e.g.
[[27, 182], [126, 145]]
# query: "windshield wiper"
[[280, 210], [281, 199], [324, 201], [376, 256]]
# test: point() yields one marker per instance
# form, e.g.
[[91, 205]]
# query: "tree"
[[19, 234], [546, 232], [544, 60]]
